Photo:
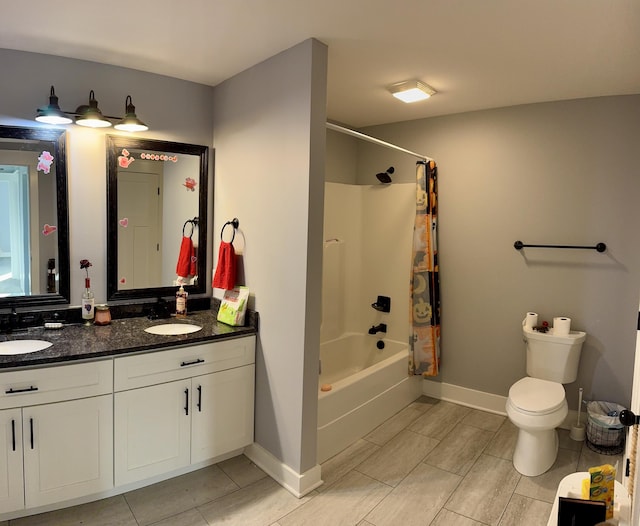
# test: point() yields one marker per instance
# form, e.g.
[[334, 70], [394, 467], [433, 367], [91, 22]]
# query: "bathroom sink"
[[173, 329], [23, 346]]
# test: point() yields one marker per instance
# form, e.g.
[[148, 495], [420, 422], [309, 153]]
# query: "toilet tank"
[[553, 358]]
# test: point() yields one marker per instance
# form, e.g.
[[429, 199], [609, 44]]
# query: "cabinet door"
[[68, 449], [152, 430], [11, 481], [223, 412]]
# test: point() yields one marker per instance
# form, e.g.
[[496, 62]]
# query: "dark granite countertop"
[[82, 342]]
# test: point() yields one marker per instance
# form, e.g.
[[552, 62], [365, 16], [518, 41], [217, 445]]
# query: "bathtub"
[[368, 385]]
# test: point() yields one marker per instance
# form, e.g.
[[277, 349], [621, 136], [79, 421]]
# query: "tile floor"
[[432, 464]]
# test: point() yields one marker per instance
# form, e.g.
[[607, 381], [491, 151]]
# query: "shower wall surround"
[[374, 228]]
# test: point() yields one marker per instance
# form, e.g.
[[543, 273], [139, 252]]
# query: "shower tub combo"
[[368, 385]]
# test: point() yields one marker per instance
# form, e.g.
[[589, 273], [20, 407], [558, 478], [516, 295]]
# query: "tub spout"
[[378, 328]]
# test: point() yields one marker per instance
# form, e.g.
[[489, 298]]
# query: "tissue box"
[[600, 486], [233, 306]]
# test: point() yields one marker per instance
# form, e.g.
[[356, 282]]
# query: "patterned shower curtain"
[[424, 340]]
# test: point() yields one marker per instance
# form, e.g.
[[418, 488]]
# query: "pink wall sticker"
[[190, 184], [45, 161], [48, 229], [125, 159]]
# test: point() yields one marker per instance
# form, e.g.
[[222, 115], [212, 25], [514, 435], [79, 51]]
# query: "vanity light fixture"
[[411, 91], [130, 121], [52, 114], [89, 115]]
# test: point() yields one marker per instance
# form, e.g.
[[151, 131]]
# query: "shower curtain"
[[424, 340]]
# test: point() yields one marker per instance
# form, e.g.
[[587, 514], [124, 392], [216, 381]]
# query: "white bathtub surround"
[[333, 286], [374, 226], [366, 254], [368, 385]]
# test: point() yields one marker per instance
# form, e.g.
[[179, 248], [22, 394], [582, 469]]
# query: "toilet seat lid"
[[533, 395]]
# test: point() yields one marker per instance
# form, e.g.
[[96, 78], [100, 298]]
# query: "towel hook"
[[235, 224]]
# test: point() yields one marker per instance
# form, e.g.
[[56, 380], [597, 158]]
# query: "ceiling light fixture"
[[130, 122], [52, 114], [411, 91], [89, 115]]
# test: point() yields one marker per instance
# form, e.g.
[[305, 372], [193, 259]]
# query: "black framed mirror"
[[34, 220], [156, 217]]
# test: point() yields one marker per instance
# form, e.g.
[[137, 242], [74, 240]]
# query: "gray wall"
[[175, 110], [554, 173], [341, 158], [270, 149]]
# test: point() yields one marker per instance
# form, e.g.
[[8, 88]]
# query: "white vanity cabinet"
[[182, 406], [56, 434], [11, 475]]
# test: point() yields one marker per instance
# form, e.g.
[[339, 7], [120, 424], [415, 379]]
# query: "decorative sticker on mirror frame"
[[45, 161], [47, 229], [190, 184]]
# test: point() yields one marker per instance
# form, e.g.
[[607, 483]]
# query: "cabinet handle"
[[25, 390], [200, 398], [194, 362], [186, 401], [13, 434], [31, 428]]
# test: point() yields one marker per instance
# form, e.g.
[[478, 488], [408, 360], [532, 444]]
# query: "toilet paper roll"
[[530, 320], [561, 326]]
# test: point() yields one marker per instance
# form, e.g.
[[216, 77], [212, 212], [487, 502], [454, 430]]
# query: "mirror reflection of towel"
[[193, 265], [225, 276], [183, 267]]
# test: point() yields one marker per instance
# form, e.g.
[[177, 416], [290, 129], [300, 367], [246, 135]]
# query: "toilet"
[[537, 403]]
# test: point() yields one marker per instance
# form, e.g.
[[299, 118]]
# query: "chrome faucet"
[[378, 328]]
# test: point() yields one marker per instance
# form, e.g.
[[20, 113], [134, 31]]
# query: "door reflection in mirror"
[[28, 215], [156, 195], [14, 231]]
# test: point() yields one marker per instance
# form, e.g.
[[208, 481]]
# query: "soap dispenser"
[[181, 302]]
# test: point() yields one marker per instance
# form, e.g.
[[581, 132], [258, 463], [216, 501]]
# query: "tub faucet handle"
[[382, 304]]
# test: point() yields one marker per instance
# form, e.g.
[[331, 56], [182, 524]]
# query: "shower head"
[[385, 177]]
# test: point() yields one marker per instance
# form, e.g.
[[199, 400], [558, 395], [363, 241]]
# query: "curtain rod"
[[364, 137]]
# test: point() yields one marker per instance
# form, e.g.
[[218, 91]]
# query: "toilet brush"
[[577, 431]]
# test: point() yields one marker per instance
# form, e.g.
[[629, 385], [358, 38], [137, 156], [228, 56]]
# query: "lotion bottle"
[[181, 303]]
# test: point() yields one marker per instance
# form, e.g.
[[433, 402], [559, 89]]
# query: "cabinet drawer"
[[54, 384], [176, 364]]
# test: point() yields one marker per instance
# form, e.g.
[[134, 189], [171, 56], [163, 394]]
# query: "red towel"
[[225, 276], [193, 267], [184, 257]]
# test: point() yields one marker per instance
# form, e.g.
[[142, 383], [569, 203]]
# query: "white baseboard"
[[488, 402], [298, 484]]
